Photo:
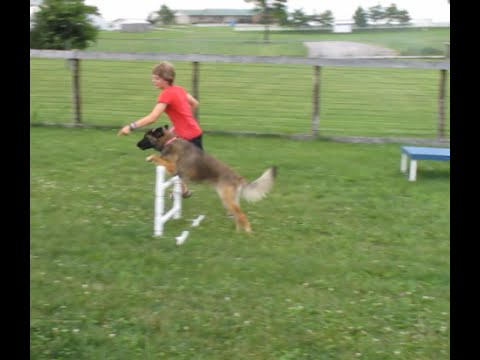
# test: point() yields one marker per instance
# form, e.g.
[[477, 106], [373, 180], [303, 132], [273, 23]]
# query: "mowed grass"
[[225, 40], [347, 259]]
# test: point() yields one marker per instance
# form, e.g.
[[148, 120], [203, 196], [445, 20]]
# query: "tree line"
[[276, 12]]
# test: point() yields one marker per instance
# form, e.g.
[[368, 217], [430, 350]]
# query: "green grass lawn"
[[224, 40], [347, 259]]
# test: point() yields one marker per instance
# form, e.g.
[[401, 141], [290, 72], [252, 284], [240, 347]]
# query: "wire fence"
[[371, 99]]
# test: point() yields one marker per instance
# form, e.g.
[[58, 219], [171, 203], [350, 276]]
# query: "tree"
[[63, 25], [152, 18], [402, 16], [360, 17], [299, 18], [279, 12], [326, 18], [390, 13], [393, 14], [376, 13], [268, 10], [166, 15]]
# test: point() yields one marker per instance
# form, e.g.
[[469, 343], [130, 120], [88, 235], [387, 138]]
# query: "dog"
[[181, 157]]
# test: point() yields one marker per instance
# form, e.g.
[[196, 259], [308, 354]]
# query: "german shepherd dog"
[[181, 157]]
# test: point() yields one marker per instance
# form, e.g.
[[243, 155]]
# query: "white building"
[[215, 16], [130, 25], [342, 26]]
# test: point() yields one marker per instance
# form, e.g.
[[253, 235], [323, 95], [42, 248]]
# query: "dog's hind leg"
[[228, 194]]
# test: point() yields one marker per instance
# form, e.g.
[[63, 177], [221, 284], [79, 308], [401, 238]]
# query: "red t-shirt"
[[180, 113]]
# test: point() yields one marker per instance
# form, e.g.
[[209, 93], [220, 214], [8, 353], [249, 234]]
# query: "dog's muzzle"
[[144, 144]]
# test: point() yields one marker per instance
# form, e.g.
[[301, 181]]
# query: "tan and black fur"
[[182, 158]]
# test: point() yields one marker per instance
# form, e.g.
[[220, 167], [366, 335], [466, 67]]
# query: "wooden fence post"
[[195, 83], [316, 101], [75, 66], [441, 104]]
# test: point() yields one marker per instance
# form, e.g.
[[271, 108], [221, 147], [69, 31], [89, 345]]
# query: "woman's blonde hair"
[[166, 71]]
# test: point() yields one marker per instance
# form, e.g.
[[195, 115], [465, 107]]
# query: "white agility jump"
[[160, 218]]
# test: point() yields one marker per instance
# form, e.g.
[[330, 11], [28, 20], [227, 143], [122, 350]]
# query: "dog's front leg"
[[171, 168]]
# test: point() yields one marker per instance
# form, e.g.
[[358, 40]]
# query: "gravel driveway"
[[342, 49]]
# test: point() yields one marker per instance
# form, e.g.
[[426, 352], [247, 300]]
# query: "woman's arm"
[[146, 120], [192, 101]]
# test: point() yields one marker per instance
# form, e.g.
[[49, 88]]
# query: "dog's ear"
[[158, 132]]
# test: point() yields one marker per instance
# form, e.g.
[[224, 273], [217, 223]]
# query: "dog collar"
[[170, 141]]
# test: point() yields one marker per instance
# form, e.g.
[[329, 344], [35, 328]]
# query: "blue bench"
[[420, 153]]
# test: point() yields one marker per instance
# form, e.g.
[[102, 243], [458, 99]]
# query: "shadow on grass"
[[434, 174]]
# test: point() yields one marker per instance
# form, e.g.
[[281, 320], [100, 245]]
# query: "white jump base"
[[161, 217]]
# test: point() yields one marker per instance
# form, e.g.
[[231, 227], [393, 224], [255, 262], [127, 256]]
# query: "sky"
[[436, 10]]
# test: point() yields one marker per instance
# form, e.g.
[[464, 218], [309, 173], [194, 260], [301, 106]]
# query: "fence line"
[[286, 60], [280, 111]]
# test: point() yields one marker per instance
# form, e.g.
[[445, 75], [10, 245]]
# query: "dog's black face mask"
[[145, 143], [150, 138]]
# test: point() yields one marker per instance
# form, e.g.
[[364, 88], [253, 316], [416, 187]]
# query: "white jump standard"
[[420, 153], [160, 186]]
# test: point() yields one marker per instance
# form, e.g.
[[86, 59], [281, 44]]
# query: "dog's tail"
[[257, 189]]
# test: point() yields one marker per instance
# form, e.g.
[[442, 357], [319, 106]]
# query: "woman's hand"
[[124, 130]]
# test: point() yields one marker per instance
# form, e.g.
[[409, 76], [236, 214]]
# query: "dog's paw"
[[149, 158]]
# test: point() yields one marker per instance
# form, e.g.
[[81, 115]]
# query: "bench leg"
[[403, 163], [413, 170]]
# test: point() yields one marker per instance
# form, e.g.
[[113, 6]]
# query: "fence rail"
[[285, 60], [369, 99]]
